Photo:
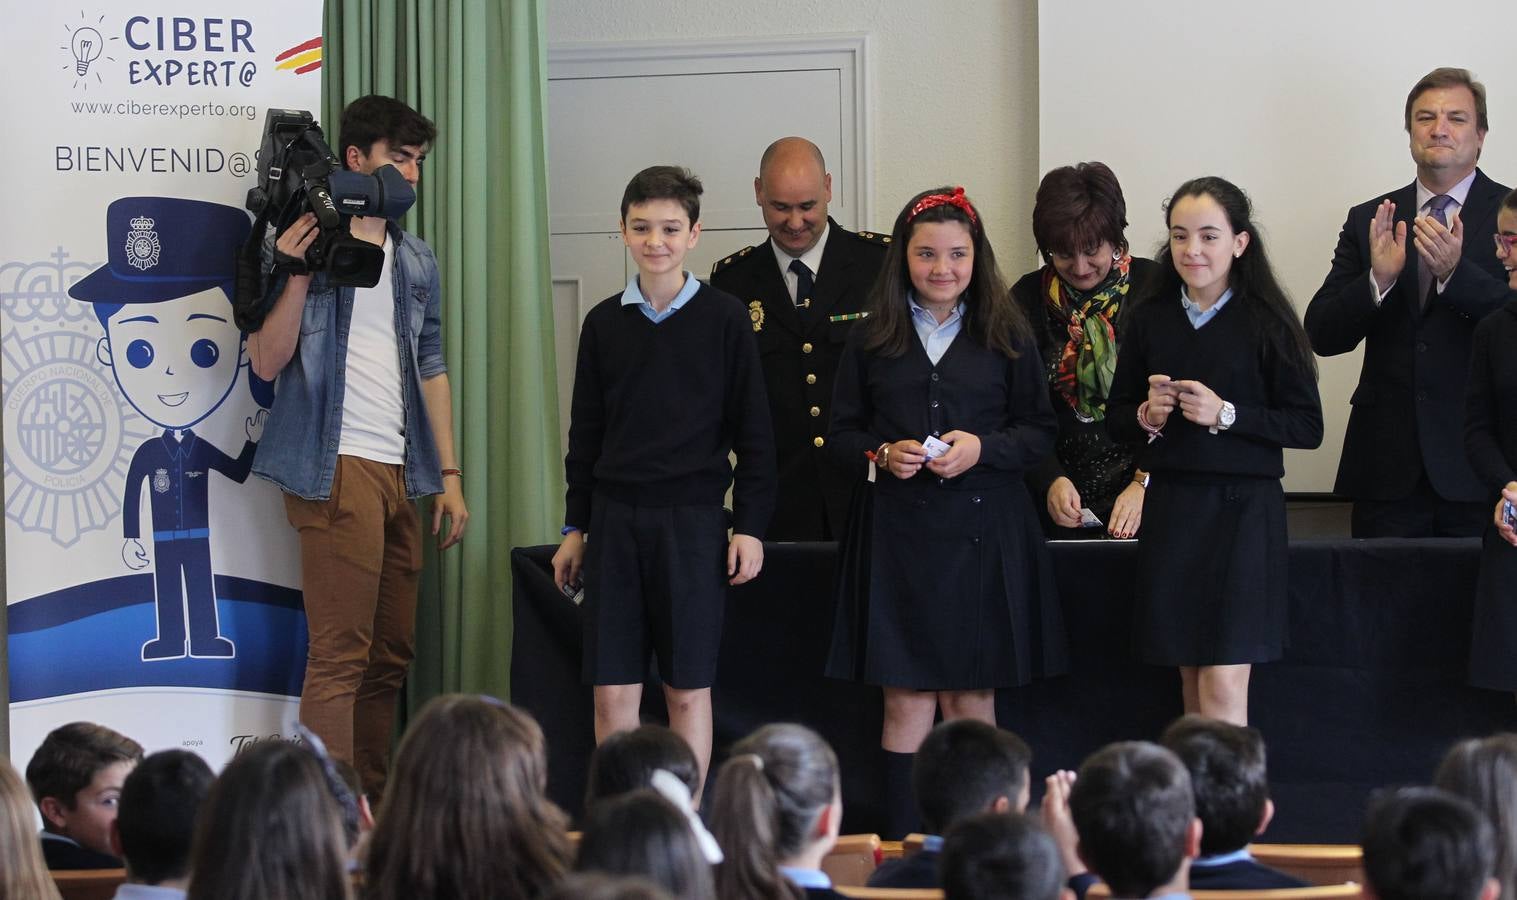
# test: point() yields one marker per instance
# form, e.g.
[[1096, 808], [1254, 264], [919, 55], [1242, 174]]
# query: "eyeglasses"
[[1505, 242]]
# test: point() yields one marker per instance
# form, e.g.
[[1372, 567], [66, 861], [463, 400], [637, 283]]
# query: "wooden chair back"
[[89, 884], [853, 859], [869, 893], [1314, 863], [1100, 891]]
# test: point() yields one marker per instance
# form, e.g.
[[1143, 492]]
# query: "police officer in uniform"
[[806, 289]]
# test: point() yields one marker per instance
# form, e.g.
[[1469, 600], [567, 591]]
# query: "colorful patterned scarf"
[[1083, 370]]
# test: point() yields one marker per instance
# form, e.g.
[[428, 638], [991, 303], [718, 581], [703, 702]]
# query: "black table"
[[1371, 691]]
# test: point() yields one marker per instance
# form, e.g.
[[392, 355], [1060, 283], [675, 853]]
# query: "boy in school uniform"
[[964, 767], [76, 777], [667, 385], [1227, 775]]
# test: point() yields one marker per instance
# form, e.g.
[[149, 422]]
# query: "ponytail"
[[765, 807], [743, 820]]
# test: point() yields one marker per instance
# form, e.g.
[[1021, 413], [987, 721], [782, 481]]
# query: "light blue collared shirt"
[[633, 296], [147, 892], [1222, 859], [935, 337], [1196, 314], [932, 843], [806, 878]]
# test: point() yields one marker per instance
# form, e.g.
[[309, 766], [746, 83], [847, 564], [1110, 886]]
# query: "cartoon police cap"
[[162, 248]]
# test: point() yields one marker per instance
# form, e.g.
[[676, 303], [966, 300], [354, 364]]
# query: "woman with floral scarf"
[[1090, 486]]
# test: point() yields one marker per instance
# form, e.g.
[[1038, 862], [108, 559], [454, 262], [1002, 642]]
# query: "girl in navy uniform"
[[1490, 440], [1216, 373], [945, 590]]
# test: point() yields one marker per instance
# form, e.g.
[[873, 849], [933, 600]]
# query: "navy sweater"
[[658, 407], [1276, 402]]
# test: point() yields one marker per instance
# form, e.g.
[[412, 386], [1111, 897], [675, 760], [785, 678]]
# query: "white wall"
[[955, 93]]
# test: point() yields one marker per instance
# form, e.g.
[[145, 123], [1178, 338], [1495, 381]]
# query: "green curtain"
[[477, 68]]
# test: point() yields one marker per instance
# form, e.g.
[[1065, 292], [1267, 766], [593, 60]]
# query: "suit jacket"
[[1407, 411], [60, 854], [1240, 875], [799, 350]]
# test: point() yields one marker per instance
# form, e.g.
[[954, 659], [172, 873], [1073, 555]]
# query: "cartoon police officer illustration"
[[164, 300]]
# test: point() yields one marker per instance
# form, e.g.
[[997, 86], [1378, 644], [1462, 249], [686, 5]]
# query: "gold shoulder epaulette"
[[874, 237], [728, 260]]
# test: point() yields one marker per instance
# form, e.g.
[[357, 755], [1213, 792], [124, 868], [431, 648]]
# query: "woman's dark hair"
[[1484, 772], [626, 761], [991, 318], [465, 813], [269, 828], [767, 800], [1077, 208], [1251, 277], [641, 833]]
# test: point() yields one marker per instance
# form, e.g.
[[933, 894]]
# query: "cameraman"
[[361, 427]]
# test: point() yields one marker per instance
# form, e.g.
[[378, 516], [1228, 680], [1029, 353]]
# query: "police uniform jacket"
[[799, 349]]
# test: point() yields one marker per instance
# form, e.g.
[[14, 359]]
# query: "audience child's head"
[[465, 813], [1132, 806], [155, 827], [23, 873], [661, 219], [776, 802], [1484, 772], [1214, 246], [1227, 775], [1427, 844], [626, 761], [76, 778], [600, 886], [939, 256], [1000, 856], [642, 833], [966, 766], [269, 828]]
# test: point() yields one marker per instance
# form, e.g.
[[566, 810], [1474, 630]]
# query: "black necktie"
[[803, 283]]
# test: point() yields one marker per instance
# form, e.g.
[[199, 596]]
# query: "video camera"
[[298, 173]]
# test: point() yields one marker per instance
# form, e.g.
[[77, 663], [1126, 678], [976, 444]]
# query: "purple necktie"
[[1438, 209]]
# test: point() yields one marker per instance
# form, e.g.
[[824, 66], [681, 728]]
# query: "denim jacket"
[[299, 447]]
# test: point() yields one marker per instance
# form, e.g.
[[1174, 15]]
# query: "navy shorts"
[[655, 582]]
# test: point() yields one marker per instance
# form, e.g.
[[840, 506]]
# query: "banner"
[[151, 584]]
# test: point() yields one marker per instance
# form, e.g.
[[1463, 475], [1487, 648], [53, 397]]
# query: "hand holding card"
[[962, 455]]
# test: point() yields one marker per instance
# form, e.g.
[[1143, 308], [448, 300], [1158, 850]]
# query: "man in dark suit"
[[1408, 285], [805, 288]]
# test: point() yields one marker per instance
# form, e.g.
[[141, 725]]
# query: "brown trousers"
[[360, 560]]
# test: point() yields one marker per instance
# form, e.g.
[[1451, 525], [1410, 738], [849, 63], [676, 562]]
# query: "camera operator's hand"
[[273, 344], [290, 249]]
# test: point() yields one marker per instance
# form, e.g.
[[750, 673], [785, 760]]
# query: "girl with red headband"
[[1216, 377], [945, 589]]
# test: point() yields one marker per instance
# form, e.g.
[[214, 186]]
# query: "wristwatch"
[[1226, 417], [1140, 478]]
